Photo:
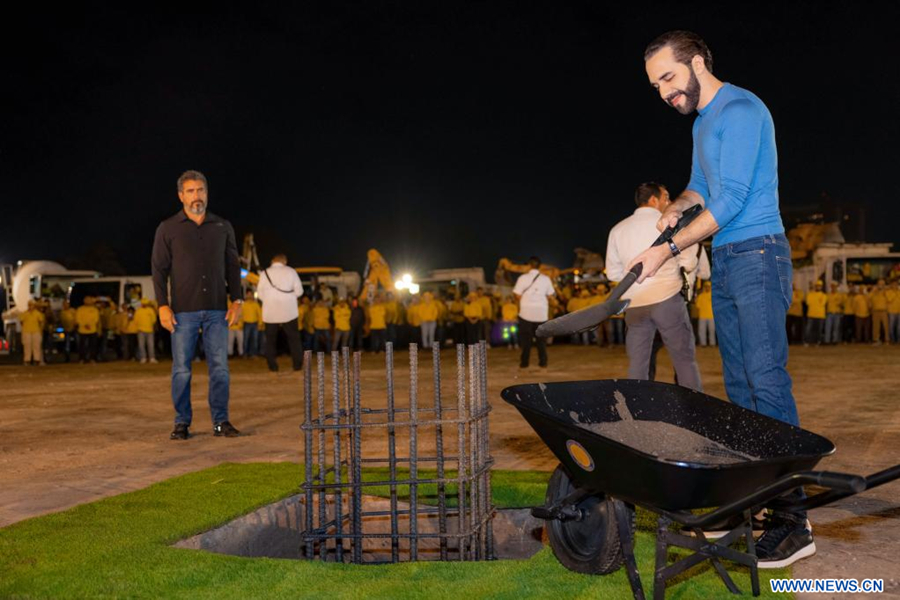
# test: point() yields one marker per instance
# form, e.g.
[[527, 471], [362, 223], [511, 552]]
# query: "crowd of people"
[[859, 314], [98, 331]]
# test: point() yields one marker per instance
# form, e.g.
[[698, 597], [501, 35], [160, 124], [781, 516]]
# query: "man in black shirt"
[[196, 252]]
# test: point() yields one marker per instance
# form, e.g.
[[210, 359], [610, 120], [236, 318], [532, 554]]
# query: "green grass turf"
[[120, 547]]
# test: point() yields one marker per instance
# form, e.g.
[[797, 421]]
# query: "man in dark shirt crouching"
[[196, 251]]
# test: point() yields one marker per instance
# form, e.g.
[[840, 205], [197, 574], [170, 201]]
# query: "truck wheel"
[[590, 545]]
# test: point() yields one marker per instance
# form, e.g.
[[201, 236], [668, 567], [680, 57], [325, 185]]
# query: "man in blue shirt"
[[734, 174]]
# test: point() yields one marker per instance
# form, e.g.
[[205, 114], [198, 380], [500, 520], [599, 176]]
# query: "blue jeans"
[[751, 292], [833, 328], [251, 339], [215, 345]]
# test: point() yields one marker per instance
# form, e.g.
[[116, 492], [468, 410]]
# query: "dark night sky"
[[446, 134]]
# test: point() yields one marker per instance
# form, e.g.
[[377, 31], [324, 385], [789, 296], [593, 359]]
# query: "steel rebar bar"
[[474, 500], [439, 445], [461, 439], [357, 451], [336, 442], [413, 449], [308, 448], [392, 449]]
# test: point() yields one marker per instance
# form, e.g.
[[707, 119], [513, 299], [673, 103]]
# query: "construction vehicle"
[[587, 267], [819, 253], [326, 282]]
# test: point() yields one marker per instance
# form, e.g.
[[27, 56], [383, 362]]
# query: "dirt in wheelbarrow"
[[664, 440]]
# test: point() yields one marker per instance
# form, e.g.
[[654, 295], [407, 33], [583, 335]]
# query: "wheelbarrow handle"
[[843, 482]]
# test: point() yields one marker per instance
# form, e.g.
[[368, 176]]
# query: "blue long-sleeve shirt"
[[735, 165]]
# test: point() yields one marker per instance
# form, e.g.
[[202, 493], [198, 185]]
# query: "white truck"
[[54, 284]]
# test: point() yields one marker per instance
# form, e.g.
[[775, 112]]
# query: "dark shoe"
[[721, 529], [783, 543], [225, 429], [180, 432]]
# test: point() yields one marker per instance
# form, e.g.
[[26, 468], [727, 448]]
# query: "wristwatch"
[[674, 248]]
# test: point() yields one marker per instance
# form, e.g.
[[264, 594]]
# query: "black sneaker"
[[180, 432], [783, 543], [723, 528], [225, 429]]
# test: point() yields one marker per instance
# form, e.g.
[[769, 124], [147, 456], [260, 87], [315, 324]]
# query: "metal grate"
[[338, 524]]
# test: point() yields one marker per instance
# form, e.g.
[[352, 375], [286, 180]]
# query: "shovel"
[[590, 317]]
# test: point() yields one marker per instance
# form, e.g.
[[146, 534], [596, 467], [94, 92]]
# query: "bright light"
[[406, 283]]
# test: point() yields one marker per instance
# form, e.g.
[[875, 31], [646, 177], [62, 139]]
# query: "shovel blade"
[[581, 320]]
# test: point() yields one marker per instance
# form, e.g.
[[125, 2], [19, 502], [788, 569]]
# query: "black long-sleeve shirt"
[[201, 261]]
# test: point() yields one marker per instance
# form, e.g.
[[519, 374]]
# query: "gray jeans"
[[671, 318], [146, 346]]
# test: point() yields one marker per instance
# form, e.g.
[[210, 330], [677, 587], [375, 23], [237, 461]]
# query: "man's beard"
[[691, 95], [198, 207]]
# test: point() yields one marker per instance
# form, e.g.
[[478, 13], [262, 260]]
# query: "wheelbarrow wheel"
[[590, 544]]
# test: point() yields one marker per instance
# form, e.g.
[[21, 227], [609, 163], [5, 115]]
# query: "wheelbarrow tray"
[[557, 411]]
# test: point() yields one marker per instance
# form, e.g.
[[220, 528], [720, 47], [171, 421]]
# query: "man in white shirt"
[[532, 291], [278, 289], [656, 303]]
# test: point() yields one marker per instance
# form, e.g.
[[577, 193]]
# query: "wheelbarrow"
[[669, 449]]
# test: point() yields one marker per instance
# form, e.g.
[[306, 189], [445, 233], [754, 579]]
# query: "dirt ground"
[[71, 434]]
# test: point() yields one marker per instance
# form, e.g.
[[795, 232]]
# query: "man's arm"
[[161, 267], [233, 276], [653, 258]]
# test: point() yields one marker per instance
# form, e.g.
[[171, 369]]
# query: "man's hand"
[[167, 319], [234, 313], [652, 259], [670, 217]]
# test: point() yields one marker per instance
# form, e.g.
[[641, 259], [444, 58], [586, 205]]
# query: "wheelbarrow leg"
[[751, 550], [625, 539], [662, 558]]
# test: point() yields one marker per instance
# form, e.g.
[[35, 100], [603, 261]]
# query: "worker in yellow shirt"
[[816, 303], [706, 325], [321, 318], [487, 315], [236, 333], [341, 315], [474, 313], [443, 320], [377, 318], [413, 327], [893, 295], [145, 323], [862, 315], [393, 316], [87, 320], [795, 317], [252, 314], [834, 312], [428, 311], [848, 322], [124, 319], [305, 324], [33, 321], [119, 324], [878, 300], [457, 319], [509, 314], [69, 326], [107, 325]]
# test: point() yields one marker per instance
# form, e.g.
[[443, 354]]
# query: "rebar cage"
[[340, 523]]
